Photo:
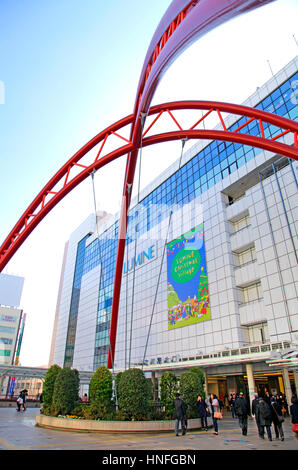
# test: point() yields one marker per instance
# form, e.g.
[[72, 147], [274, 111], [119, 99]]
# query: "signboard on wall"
[[188, 295], [11, 288]]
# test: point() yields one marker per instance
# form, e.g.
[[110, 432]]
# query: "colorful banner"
[[188, 296], [21, 333]]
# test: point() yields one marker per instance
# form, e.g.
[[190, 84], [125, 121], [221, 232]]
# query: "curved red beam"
[[22, 229], [182, 24], [244, 139]]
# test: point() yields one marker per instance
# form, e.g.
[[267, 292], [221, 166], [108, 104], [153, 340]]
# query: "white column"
[[287, 385], [251, 382]]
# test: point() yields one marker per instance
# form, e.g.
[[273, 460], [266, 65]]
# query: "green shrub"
[[168, 390], [100, 388], [48, 387], [201, 378], [189, 389], [66, 391], [92, 411], [133, 394]]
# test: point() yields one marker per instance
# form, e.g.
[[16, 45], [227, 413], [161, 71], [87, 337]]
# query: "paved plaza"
[[19, 432]]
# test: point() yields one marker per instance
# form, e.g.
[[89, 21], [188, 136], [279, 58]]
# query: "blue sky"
[[70, 68], [63, 64]]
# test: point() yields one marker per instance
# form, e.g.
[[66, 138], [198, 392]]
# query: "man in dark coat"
[[179, 414], [264, 417], [241, 410]]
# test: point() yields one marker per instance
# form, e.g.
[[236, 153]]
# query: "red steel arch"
[[51, 195], [183, 23]]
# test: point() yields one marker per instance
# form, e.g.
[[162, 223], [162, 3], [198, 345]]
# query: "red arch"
[[183, 23], [49, 197]]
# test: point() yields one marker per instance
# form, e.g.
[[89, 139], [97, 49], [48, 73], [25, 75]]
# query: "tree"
[[66, 391], [168, 390], [189, 389], [133, 393], [101, 388], [48, 386], [201, 377]]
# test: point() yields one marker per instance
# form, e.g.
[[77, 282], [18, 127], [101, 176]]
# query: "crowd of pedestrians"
[[267, 410]]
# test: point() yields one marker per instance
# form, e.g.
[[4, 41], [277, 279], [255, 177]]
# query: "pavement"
[[18, 432]]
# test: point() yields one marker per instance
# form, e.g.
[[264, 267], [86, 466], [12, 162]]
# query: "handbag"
[[295, 427], [217, 414], [280, 418]]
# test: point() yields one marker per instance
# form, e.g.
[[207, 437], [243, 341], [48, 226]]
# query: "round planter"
[[86, 425]]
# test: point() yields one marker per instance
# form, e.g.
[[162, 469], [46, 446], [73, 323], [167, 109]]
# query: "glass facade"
[[212, 164], [74, 304]]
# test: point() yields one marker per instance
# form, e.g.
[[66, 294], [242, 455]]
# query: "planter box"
[[13, 403], [85, 425]]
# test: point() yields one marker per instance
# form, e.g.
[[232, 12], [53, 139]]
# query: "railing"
[[243, 350]]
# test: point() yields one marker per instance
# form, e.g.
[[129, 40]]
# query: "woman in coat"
[[294, 416], [202, 411], [215, 408], [277, 419]]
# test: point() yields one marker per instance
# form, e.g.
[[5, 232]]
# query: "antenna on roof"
[[270, 68]]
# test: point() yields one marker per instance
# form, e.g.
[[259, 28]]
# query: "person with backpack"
[[264, 418], [241, 410]]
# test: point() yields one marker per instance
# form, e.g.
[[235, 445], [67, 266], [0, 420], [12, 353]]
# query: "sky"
[[68, 69]]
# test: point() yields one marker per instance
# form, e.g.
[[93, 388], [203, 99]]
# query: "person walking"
[[294, 416], [254, 411], [19, 402], [232, 403], [277, 419], [241, 410], [284, 405], [264, 416], [215, 411], [267, 397], [24, 394], [179, 414], [202, 411]]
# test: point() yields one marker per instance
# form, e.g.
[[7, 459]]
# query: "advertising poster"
[[188, 296]]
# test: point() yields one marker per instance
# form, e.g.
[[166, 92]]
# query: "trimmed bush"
[[100, 388], [48, 386], [168, 390], [189, 389], [66, 391], [133, 394], [201, 378]]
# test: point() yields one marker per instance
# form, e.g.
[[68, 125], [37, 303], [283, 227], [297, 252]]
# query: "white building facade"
[[227, 305], [12, 323]]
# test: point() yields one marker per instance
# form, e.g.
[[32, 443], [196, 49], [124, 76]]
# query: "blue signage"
[[143, 257]]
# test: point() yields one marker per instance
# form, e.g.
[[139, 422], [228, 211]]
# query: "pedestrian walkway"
[[19, 432]]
